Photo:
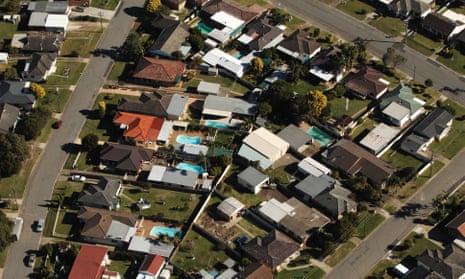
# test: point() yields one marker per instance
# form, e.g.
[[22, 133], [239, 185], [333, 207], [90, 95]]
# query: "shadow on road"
[[70, 147], [134, 11]]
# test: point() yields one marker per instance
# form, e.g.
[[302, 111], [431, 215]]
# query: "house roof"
[[311, 166], [8, 116], [40, 63], [276, 210], [267, 143], [315, 185], [43, 42], [208, 87], [195, 149], [233, 8], [89, 263], [217, 105], [54, 7], [448, 263], [252, 176], [149, 104], [177, 104], [412, 143], [217, 57], [230, 206], [402, 96], [256, 271], [162, 70], [103, 194], [252, 155], [441, 24], [458, 224], [298, 45], [433, 124], [173, 176], [56, 21], [396, 111], [138, 126], [367, 81], [37, 19], [272, 249], [126, 157], [295, 136], [261, 32], [152, 264], [379, 137], [336, 201], [353, 159], [171, 34], [150, 246], [14, 93]]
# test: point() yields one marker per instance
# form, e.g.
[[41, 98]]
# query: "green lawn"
[[307, 273], [422, 44], [379, 271], [368, 124], [356, 8], [202, 254], [55, 101], [281, 175], [341, 252], [70, 191], [105, 4], [65, 222], [225, 82], [116, 71], [82, 43], [368, 222], [390, 25], [249, 3], [67, 73], [119, 265], [419, 245], [303, 87], [295, 24], [244, 196], [456, 63], [400, 160], [250, 227], [338, 106], [7, 30], [408, 189], [3, 255], [172, 208], [46, 131]]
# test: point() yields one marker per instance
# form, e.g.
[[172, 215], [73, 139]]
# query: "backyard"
[[225, 82], [7, 30], [80, 44], [346, 106]]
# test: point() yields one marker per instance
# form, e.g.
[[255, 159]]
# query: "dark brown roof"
[[126, 157], [40, 63], [366, 82], [147, 104], [42, 42], [298, 42], [439, 24], [458, 224], [262, 31], [162, 70], [256, 271], [170, 34], [272, 249], [97, 221], [353, 159], [233, 8]]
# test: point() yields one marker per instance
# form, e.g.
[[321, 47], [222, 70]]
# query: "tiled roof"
[[43, 42], [298, 42], [162, 70], [439, 23], [140, 127], [97, 221], [152, 264], [89, 263], [433, 124], [458, 224], [125, 157], [366, 81], [40, 63]]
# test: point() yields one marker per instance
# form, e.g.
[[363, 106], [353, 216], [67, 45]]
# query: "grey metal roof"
[[171, 34], [252, 176], [8, 116], [38, 19], [195, 149], [208, 87], [233, 105], [38, 65], [313, 185], [103, 194], [180, 177], [295, 136], [230, 206], [433, 124], [412, 143], [54, 7], [336, 201], [150, 246], [177, 105]]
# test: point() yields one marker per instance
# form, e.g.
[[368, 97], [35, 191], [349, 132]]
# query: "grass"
[[224, 82], [422, 44], [46, 131], [391, 209], [7, 30], [400, 160], [120, 266], [60, 77], [379, 271], [338, 106], [307, 273], [105, 4], [65, 222], [295, 24], [341, 252], [3, 256], [356, 8], [368, 222], [204, 253], [303, 87], [82, 43], [247, 198], [368, 124], [410, 188], [419, 245], [390, 25], [116, 71], [456, 63], [249, 3], [56, 102], [251, 228]]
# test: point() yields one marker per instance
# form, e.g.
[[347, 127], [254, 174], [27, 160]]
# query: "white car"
[[78, 177]]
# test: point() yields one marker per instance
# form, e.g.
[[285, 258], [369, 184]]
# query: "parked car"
[[31, 260], [78, 9], [40, 225], [241, 240], [57, 124], [78, 177]]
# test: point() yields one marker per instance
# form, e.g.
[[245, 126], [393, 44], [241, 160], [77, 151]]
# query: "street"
[[41, 182]]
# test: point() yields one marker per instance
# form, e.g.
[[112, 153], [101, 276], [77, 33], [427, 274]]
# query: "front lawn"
[[422, 44], [55, 100], [417, 245], [105, 4], [410, 188], [67, 73], [341, 252], [368, 222], [307, 273], [356, 8], [249, 3], [80, 43], [456, 62], [392, 26], [304, 87], [354, 106], [400, 160], [116, 71]]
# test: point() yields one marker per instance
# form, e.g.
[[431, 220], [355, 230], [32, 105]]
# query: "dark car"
[[241, 240], [78, 9], [57, 124]]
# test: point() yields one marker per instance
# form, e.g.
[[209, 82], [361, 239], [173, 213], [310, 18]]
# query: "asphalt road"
[[348, 28], [42, 180]]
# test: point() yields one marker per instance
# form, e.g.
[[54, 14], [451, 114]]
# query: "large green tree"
[[13, 151], [133, 47], [5, 231]]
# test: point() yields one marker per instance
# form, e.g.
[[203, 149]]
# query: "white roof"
[[195, 149], [227, 20], [217, 57], [156, 173], [396, 111], [402, 269], [379, 137], [56, 21], [208, 87], [219, 35], [324, 75], [267, 143], [245, 39], [211, 42], [230, 206], [165, 131], [313, 167], [276, 210], [150, 246], [3, 56]]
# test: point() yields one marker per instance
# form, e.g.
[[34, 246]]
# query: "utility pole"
[[101, 23]]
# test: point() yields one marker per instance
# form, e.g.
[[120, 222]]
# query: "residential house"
[[366, 83], [169, 106], [50, 7], [173, 177], [274, 250], [42, 21], [90, 262], [456, 226], [158, 72], [293, 217], [208, 88], [404, 8], [298, 139], [230, 208], [105, 194], [416, 146], [82, 3], [123, 158], [401, 106], [42, 42], [311, 186], [338, 125], [256, 271], [148, 245], [170, 35], [460, 41], [9, 116], [106, 227], [261, 34], [218, 58], [151, 267], [326, 65], [378, 140], [422, 8], [252, 179], [3, 57], [39, 66], [311, 166], [441, 27], [352, 159], [177, 5], [146, 131], [217, 107], [263, 146], [17, 93], [336, 201], [299, 46]]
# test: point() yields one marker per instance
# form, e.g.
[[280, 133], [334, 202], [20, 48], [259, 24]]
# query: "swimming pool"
[[320, 136], [205, 29], [183, 139], [170, 232], [216, 124], [190, 167]]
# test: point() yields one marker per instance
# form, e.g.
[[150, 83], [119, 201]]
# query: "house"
[[82, 3], [456, 226], [256, 271], [173, 177], [158, 72], [42, 42], [435, 126], [338, 125], [298, 139], [169, 106], [325, 65], [252, 179], [147, 131], [441, 27], [170, 35], [263, 146], [17, 93], [123, 158], [177, 5], [261, 34], [293, 217], [366, 83], [56, 23], [208, 88], [352, 159], [299, 46], [336, 201], [274, 250], [401, 106], [51, 7], [311, 186], [39, 66], [403, 8], [151, 246], [460, 41], [91, 262], [378, 140], [215, 107], [415, 145], [105, 194], [218, 58], [9, 116], [311, 166], [3, 57], [230, 208], [151, 267]]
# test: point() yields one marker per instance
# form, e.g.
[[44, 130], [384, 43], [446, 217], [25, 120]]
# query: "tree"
[[197, 42], [279, 16], [429, 82], [13, 151], [38, 90], [29, 127], [10, 73], [5, 231], [152, 6], [13, 6], [317, 101], [264, 108], [132, 47], [388, 57], [257, 65], [102, 108], [89, 142]]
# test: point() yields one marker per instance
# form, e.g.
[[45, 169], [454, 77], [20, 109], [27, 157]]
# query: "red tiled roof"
[[89, 263], [159, 69], [139, 127], [152, 264]]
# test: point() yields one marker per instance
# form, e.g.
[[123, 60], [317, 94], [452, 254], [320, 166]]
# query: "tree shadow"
[[71, 148]]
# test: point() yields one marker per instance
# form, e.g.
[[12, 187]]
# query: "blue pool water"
[[216, 124], [320, 136], [183, 139], [170, 232], [189, 167], [205, 29]]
